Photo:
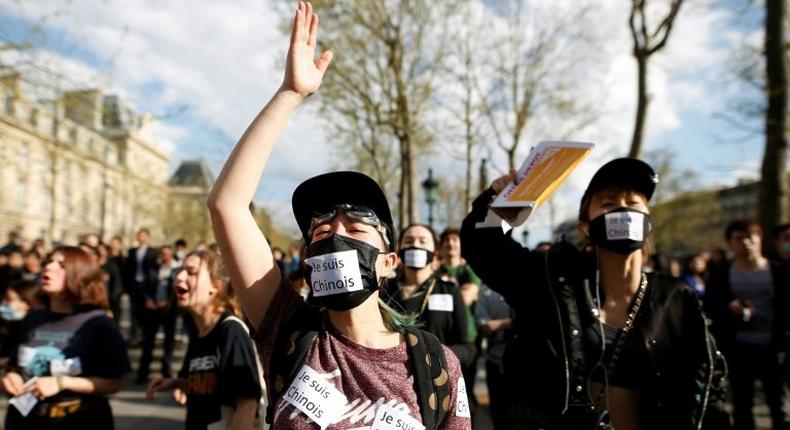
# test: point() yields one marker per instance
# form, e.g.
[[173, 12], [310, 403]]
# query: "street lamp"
[[430, 186]]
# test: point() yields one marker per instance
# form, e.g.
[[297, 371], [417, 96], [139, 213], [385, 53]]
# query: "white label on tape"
[[440, 302], [625, 225], [69, 366], [312, 394], [335, 273], [392, 418], [415, 258], [461, 400]]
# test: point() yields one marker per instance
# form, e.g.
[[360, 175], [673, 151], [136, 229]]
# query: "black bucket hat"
[[320, 194], [624, 172]]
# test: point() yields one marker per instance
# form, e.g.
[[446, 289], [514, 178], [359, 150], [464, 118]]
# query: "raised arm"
[[497, 259], [249, 260]]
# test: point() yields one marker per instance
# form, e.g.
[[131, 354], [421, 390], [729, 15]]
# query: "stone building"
[[187, 214], [85, 162]]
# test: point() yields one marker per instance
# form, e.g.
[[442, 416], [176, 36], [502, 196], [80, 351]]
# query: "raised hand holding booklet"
[[545, 169]]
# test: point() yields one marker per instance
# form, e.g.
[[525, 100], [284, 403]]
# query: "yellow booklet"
[[545, 169]]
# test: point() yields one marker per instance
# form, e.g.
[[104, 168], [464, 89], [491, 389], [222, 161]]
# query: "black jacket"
[[150, 269], [551, 295], [449, 326]]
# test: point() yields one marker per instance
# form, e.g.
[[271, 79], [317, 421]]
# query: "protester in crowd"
[[748, 302], [543, 246], [494, 319], [13, 243], [294, 260], [453, 268], [220, 367], [181, 249], [159, 311], [112, 280], [279, 258], [421, 291], [91, 239], [40, 248], [19, 298], [31, 267], [596, 340], [694, 274], [12, 270], [116, 250], [781, 241], [72, 355], [365, 357], [140, 277]]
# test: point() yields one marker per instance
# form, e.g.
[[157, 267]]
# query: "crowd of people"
[[361, 326]]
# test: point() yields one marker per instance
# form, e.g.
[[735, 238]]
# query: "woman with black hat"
[[598, 342], [344, 359]]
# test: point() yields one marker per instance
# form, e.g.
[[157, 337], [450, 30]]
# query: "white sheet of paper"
[[24, 403]]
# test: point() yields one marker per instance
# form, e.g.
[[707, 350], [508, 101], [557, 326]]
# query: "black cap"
[[624, 172], [320, 194]]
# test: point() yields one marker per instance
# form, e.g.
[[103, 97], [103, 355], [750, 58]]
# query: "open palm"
[[303, 73]]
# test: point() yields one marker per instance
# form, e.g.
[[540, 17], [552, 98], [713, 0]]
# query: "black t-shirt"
[[444, 314], [86, 343], [89, 336], [220, 368]]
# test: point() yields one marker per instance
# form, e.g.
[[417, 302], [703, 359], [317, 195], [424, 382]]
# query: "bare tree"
[[461, 101], [534, 79], [773, 185], [389, 56], [646, 43]]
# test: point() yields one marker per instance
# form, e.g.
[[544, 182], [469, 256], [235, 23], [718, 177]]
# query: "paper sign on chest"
[[316, 397], [390, 418], [440, 302]]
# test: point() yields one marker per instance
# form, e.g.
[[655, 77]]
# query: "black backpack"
[[431, 379]]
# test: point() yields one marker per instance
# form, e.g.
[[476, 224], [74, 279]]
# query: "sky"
[[205, 69]]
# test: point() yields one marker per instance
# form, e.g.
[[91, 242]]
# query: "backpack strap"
[[262, 403], [431, 379], [290, 351]]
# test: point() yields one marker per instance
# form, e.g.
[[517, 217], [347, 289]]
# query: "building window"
[[21, 193], [23, 155], [45, 194]]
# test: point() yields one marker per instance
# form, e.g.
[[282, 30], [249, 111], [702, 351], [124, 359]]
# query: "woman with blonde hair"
[[220, 369]]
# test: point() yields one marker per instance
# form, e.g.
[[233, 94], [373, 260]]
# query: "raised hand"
[[303, 73]]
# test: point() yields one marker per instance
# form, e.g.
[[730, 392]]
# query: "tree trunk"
[[414, 205], [641, 105], [773, 187]]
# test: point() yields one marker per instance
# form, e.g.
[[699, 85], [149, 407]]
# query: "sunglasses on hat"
[[356, 213]]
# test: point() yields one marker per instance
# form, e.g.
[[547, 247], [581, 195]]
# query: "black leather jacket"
[[552, 297]]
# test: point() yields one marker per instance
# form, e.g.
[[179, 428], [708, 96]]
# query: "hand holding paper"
[[545, 169]]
